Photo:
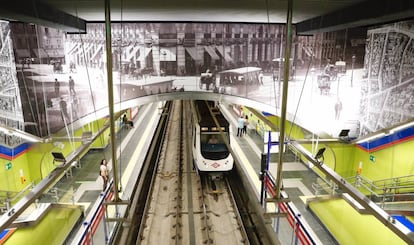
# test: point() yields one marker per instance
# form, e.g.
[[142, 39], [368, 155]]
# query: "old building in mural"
[[67, 72], [10, 104], [388, 85]]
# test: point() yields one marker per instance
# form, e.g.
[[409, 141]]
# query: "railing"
[[384, 190], [59, 196], [85, 235], [302, 231], [402, 181], [325, 186], [9, 197]]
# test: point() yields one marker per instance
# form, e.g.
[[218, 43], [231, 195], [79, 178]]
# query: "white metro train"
[[210, 151]]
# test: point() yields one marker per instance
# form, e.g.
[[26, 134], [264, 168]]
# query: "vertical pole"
[[352, 69], [262, 177], [284, 98], [269, 146], [111, 93], [345, 40], [280, 69]]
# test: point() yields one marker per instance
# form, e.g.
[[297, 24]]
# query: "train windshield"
[[213, 147]]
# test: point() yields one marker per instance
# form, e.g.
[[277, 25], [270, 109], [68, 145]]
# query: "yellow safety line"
[[132, 164]]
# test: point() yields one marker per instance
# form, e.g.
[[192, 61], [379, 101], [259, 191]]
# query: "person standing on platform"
[[57, 87], [240, 126], [103, 171], [71, 86], [246, 123]]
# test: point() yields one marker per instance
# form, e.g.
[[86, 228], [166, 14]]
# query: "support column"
[[284, 98], [111, 94]]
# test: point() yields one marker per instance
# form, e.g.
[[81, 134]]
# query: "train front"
[[215, 156]]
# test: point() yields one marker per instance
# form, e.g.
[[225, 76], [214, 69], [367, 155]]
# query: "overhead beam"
[[42, 14], [366, 13]]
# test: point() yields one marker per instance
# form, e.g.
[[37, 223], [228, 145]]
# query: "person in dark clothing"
[[246, 123], [57, 87], [64, 110], [71, 86], [127, 122]]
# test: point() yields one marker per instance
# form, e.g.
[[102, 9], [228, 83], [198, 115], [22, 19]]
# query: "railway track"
[[183, 208]]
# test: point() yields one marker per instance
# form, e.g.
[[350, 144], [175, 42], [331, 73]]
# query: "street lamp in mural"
[[352, 69], [118, 44], [164, 64], [313, 71]]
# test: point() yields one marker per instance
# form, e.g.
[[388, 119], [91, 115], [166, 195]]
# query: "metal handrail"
[[325, 186], [394, 179], [377, 190]]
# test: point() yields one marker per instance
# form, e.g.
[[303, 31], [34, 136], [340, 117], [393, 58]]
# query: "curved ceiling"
[[309, 16], [262, 11]]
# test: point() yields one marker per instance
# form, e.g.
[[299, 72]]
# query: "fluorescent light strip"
[[370, 137], [14, 132], [28, 137], [398, 128]]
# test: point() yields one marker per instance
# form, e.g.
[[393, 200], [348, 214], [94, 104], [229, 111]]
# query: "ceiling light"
[[15, 132], [403, 126], [370, 137]]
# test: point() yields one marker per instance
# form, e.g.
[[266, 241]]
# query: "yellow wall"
[[37, 162], [345, 158], [390, 162], [10, 180], [52, 229], [350, 227]]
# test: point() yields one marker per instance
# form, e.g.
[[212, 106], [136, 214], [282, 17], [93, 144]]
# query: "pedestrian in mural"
[[103, 172], [75, 106], [72, 67], [338, 108], [57, 87], [71, 86], [274, 75], [64, 110], [261, 77], [240, 126]]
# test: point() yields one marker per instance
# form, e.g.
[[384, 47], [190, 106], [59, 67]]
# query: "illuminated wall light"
[[370, 138], [18, 133], [28, 137], [398, 128]]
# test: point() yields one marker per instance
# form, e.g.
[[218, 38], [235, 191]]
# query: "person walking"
[[103, 172], [338, 108], [71, 86], [57, 87], [240, 126], [64, 111], [261, 78]]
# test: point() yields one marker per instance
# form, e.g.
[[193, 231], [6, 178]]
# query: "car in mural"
[[207, 78], [239, 81]]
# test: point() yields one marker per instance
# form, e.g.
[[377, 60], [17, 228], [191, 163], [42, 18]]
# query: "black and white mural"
[[354, 78], [388, 80], [10, 106]]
